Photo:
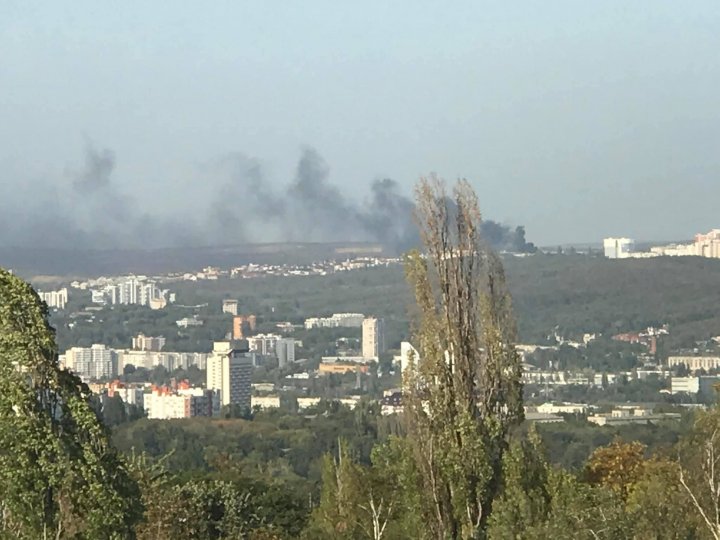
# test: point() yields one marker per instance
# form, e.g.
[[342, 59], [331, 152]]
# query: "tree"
[[525, 499], [580, 511], [617, 466], [464, 394], [59, 476], [337, 514], [699, 469], [113, 411], [360, 501], [657, 504]]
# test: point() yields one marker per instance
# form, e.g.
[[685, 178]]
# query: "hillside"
[[576, 293], [590, 294]]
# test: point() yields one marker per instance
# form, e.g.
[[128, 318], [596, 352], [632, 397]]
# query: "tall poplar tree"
[[463, 391]]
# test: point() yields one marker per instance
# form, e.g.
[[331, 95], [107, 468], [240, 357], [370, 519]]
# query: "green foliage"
[[621, 495], [58, 474], [524, 500], [204, 508], [617, 466], [464, 393], [569, 444], [367, 501], [272, 443]]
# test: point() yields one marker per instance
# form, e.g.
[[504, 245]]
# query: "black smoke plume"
[[244, 207]]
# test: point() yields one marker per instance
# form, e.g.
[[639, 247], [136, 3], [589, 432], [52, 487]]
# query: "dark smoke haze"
[[90, 212], [309, 208]]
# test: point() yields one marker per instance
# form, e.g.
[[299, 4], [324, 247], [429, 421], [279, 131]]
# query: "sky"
[[578, 120]]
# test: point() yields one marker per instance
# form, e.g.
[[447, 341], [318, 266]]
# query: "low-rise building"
[[189, 321], [307, 402], [703, 385], [631, 415], [543, 418], [391, 402], [265, 402], [561, 408], [326, 368], [336, 320]]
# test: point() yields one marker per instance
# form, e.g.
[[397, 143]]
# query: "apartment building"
[[373, 338], [229, 371]]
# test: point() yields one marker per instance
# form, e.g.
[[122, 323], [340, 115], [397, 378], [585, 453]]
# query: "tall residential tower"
[[373, 338]]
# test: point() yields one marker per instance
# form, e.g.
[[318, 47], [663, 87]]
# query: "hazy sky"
[[577, 119]]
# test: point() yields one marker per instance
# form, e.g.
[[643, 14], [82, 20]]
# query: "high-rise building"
[[133, 290], [229, 371], [373, 338], [618, 248], [285, 351], [708, 245], [243, 326], [263, 344], [408, 356], [55, 299], [230, 306], [147, 343], [96, 362]]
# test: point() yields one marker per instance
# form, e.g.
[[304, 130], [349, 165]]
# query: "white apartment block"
[[169, 360], [230, 306], [694, 385], [704, 245], [187, 322], [91, 363], [54, 299], [263, 343], [618, 248], [164, 406], [373, 338], [336, 320], [164, 403], [562, 408], [132, 291], [141, 342], [708, 245], [266, 402], [408, 356]]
